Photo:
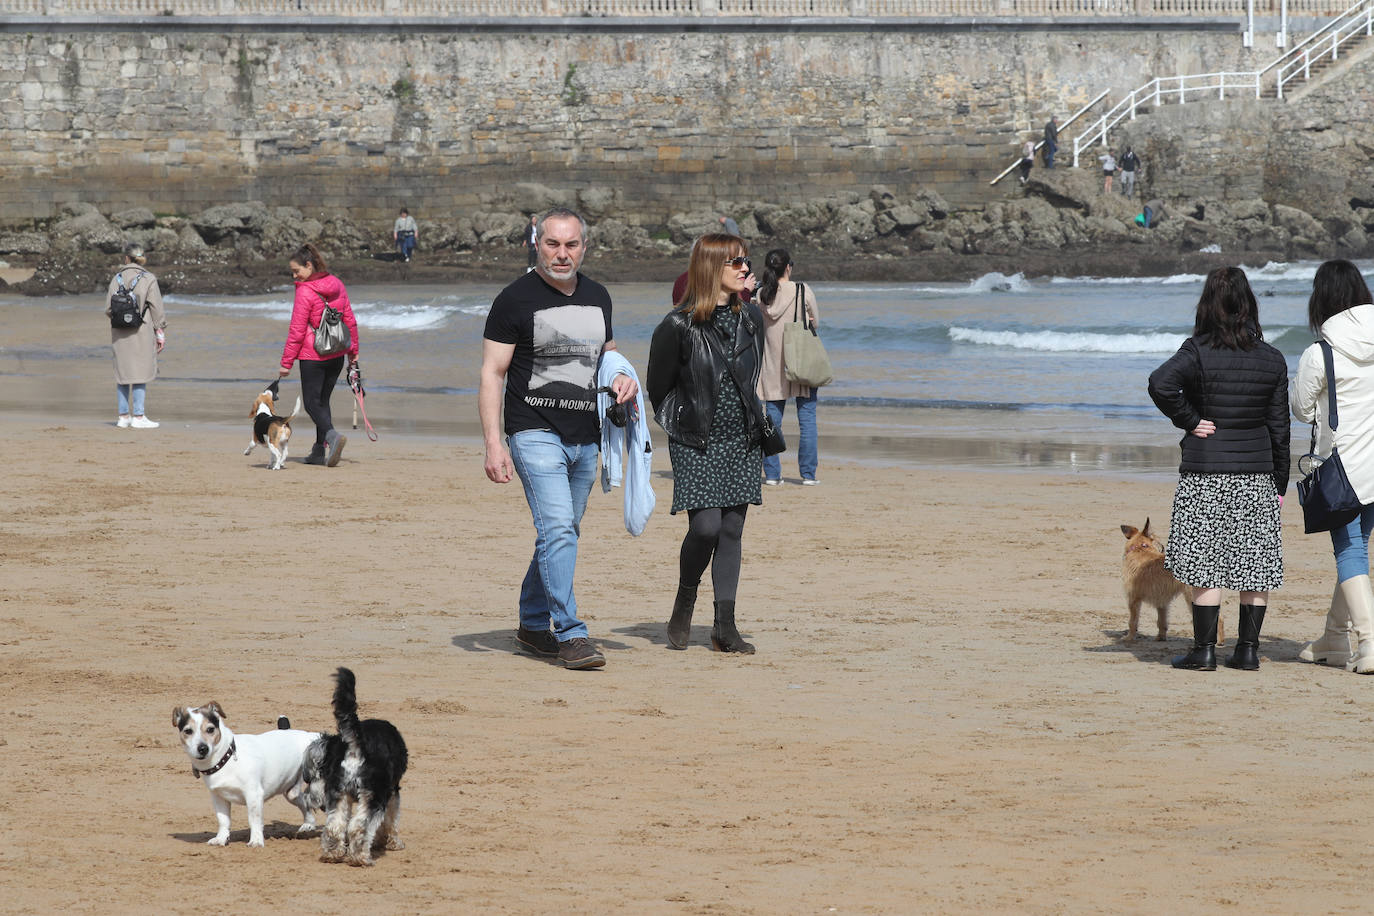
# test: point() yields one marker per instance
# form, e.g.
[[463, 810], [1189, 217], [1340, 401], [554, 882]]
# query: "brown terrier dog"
[[1146, 581]]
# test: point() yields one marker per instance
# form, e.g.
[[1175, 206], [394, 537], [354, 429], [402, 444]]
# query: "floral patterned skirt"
[[1224, 532]]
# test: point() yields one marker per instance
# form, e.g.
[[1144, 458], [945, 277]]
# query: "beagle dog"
[[269, 429]]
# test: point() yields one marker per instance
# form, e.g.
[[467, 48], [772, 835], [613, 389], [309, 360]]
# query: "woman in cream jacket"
[[1341, 313], [778, 297]]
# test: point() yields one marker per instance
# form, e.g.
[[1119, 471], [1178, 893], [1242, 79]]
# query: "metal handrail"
[[1074, 117], [1362, 20], [1293, 51]]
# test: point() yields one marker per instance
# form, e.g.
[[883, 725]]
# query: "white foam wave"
[[372, 315], [998, 282], [1070, 341]]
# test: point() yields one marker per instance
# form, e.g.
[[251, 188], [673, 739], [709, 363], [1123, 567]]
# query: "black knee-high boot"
[[680, 624], [724, 636], [1246, 656], [1203, 657]]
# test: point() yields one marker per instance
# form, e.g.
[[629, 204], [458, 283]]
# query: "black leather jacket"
[[683, 378]]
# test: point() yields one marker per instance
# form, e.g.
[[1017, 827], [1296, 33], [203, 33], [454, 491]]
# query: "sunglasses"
[[737, 263]]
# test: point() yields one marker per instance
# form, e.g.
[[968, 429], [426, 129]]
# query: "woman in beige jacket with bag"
[[136, 349], [781, 301]]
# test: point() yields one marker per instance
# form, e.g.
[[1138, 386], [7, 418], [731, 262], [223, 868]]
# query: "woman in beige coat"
[[136, 349], [778, 298]]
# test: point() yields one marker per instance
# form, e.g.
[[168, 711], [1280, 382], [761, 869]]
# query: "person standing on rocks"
[[136, 348], [1108, 170], [1027, 159], [531, 242], [405, 233], [730, 225], [1051, 141], [543, 341], [1130, 162]]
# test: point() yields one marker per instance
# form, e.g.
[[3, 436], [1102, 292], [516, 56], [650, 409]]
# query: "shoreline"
[[1137, 259]]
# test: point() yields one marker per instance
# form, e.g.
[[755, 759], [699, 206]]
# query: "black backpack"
[[125, 314]]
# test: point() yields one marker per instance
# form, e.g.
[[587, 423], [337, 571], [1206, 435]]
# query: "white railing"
[[1158, 91], [1073, 117], [866, 9], [1356, 22]]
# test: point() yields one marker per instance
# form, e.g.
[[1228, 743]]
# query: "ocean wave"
[[999, 283], [388, 316], [1070, 341]]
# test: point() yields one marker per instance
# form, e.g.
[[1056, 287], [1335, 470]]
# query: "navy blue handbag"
[[1328, 500]]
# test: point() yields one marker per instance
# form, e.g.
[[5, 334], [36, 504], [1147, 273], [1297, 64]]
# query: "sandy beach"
[[941, 716]]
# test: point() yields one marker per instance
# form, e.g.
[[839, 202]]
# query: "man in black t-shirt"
[[543, 340]]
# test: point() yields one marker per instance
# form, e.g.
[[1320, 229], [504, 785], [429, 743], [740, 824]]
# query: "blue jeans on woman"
[[140, 391], [1351, 545], [807, 455], [558, 479]]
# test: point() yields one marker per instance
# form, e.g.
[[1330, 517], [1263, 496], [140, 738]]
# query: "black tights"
[[318, 378], [714, 537]]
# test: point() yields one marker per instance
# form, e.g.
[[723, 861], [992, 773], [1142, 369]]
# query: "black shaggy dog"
[[355, 778]]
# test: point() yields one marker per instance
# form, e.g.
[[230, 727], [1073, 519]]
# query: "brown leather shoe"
[[540, 642], [580, 653]]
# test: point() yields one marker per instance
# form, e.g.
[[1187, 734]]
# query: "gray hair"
[[134, 252], [561, 213]]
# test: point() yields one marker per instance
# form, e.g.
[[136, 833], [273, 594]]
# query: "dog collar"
[[219, 766]]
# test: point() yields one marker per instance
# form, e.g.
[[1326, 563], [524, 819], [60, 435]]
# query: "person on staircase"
[[1340, 312]]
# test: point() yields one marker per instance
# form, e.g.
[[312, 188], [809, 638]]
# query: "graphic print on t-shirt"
[[567, 344]]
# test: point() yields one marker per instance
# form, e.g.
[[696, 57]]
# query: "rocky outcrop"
[[1054, 215]]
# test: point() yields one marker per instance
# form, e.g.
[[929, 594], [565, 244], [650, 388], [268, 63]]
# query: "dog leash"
[[355, 381]]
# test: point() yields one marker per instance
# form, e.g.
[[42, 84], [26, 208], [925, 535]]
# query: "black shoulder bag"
[[773, 442], [1328, 500]]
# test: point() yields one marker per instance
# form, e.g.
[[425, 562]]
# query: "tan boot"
[[1359, 600], [1334, 646]]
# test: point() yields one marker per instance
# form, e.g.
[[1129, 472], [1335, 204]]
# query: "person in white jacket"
[[1340, 312]]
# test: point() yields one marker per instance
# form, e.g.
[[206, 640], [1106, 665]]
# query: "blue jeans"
[[140, 392], [558, 479], [1351, 546], [807, 454]]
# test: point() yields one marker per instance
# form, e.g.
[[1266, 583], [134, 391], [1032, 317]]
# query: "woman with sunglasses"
[[704, 363]]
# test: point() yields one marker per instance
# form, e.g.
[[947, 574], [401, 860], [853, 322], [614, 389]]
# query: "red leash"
[[355, 381]]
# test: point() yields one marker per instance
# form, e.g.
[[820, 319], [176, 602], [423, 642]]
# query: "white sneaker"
[[123, 421], [143, 423], [770, 482], [810, 482]]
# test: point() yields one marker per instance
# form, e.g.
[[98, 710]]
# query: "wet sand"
[[941, 716]]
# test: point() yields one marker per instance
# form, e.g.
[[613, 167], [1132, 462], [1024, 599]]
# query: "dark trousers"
[[318, 377]]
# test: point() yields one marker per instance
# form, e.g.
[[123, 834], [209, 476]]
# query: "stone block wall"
[[368, 119]]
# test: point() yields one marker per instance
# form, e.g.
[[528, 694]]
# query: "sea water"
[[1013, 371]]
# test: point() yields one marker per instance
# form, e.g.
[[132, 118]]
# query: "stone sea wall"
[[355, 120]]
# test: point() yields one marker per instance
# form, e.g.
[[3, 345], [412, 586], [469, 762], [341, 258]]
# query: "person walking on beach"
[[544, 336], [1340, 312], [1130, 162], [1051, 141], [317, 288], [405, 233], [1228, 391], [704, 362], [781, 301], [136, 349], [531, 242]]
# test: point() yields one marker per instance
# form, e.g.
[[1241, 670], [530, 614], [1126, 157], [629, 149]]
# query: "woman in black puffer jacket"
[[1228, 391]]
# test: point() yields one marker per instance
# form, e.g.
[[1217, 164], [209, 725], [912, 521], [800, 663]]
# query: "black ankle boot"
[[1246, 656], [724, 636], [1203, 657], [680, 624], [316, 455]]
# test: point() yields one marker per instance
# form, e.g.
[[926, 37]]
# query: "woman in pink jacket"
[[315, 288]]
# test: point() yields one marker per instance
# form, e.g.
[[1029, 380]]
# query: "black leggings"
[[714, 537], [318, 378]]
